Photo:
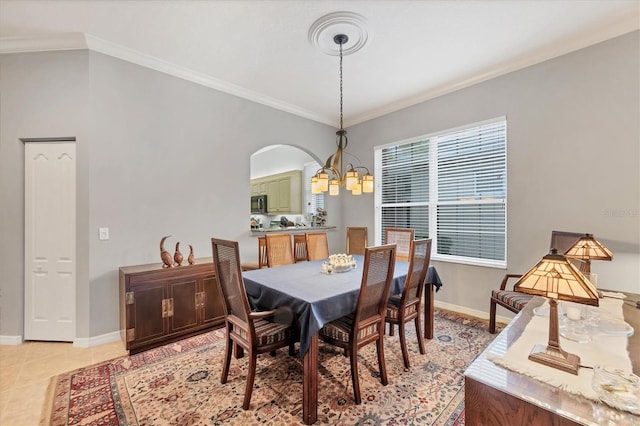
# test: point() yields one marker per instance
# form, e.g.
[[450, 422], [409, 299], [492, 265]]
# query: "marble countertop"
[[292, 229]]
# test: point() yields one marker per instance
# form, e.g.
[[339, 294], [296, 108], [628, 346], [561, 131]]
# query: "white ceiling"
[[260, 50]]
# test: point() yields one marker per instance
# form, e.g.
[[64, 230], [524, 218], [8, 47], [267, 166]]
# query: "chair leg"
[[391, 328], [381, 364], [403, 344], [492, 317], [419, 332], [251, 375], [227, 359], [353, 357], [292, 347]]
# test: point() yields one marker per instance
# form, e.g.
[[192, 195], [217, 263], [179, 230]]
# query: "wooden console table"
[[495, 395], [160, 305]]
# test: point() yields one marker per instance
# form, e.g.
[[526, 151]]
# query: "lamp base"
[[555, 358]]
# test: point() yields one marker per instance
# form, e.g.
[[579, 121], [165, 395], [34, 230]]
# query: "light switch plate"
[[103, 233]]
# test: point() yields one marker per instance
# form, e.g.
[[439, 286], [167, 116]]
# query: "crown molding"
[[623, 27], [43, 43], [77, 41]]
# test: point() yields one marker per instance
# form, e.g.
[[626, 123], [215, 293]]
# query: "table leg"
[[310, 383], [429, 296]]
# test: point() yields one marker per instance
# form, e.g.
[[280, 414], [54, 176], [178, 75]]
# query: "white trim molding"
[[77, 342], [11, 340], [468, 311], [43, 43], [78, 41], [96, 340]]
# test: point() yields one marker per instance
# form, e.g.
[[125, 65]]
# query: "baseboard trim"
[[468, 311], [78, 343], [96, 340], [11, 340]]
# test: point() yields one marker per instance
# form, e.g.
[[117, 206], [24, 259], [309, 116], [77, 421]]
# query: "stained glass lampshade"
[[555, 278]]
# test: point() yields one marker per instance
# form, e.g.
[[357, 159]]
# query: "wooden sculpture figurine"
[[165, 255], [177, 256], [191, 259]]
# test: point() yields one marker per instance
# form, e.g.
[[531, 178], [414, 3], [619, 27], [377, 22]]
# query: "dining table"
[[317, 298]]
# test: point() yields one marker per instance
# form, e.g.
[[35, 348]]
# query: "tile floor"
[[25, 371]]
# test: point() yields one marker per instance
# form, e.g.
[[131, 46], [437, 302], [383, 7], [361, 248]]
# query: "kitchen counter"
[[290, 229]]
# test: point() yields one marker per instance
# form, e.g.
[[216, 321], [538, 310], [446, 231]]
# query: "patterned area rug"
[[179, 384]]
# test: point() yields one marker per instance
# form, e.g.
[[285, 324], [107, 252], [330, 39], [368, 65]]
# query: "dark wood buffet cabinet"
[[161, 305]]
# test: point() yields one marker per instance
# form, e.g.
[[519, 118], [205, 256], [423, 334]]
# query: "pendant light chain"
[[341, 86], [332, 176]]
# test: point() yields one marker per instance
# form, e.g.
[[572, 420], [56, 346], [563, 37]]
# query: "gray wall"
[[43, 95], [573, 128], [159, 156]]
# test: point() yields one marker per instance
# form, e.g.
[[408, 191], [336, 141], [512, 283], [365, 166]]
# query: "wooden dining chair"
[[507, 297], [406, 306], [402, 238], [299, 248], [317, 245], [279, 250], [254, 332], [366, 324], [262, 256], [356, 239]]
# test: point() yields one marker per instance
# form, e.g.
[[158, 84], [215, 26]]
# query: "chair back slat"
[[356, 239], [417, 273], [226, 260], [279, 250], [317, 245], [402, 238], [376, 282], [299, 247], [262, 252]]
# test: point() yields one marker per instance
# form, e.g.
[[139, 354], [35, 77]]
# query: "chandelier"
[[332, 175]]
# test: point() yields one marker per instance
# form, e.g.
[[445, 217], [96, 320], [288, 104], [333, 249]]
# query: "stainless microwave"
[[258, 204]]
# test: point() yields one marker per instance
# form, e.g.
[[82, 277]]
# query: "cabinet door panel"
[[284, 195], [183, 294], [147, 307], [213, 309], [273, 197]]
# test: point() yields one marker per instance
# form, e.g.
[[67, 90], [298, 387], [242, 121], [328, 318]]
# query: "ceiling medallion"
[[323, 31]]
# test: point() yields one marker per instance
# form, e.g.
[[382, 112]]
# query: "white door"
[[50, 241]]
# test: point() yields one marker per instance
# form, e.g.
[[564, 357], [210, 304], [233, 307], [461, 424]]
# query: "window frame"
[[310, 201], [433, 198]]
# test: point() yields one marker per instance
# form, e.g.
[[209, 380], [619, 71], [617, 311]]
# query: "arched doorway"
[[277, 159]]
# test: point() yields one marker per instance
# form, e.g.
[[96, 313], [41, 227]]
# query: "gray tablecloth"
[[315, 297]]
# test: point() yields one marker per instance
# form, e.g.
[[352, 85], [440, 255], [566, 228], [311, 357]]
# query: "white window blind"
[[311, 201], [472, 187], [405, 187], [450, 187]]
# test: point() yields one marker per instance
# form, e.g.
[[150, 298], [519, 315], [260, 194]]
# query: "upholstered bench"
[[509, 299]]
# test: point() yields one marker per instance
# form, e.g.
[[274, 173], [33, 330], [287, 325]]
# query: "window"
[[450, 187], [311, 201]]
